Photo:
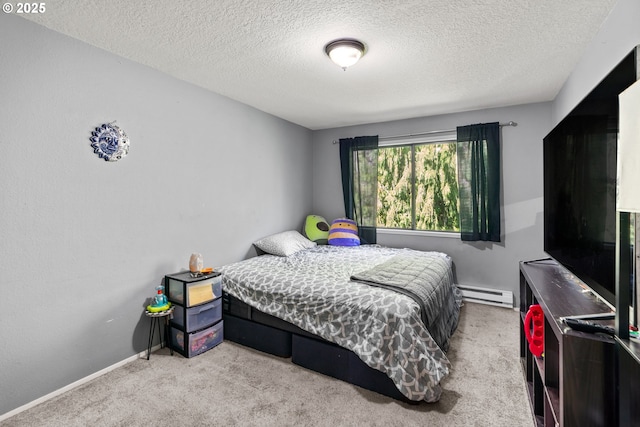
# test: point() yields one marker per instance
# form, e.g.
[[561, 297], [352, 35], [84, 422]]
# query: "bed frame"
[[245, 325]]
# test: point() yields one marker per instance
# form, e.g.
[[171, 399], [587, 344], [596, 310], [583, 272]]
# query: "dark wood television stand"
[[574, 382]]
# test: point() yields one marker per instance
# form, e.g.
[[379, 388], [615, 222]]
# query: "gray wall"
[[485, 265], [84, 242], [619, 34]]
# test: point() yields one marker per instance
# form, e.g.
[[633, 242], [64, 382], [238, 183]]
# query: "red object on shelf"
[[535, 316]]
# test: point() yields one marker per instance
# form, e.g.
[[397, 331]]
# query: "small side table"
[[155, 320]]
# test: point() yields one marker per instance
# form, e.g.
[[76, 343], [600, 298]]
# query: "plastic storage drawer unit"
[[192, 344], [190, 291], [194, 318]]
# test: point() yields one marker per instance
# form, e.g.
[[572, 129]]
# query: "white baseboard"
[[81, 381], [488, 296]]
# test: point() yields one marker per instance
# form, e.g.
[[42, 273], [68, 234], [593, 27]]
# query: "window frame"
[[413, 140]]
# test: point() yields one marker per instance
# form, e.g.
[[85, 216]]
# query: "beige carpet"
[[232, 385]]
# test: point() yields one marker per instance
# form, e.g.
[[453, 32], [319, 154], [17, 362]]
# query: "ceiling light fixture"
[[345, 52]]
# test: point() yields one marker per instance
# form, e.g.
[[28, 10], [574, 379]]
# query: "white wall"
[[492, 265], [84, 242]]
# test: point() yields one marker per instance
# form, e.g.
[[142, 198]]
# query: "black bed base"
[[247, 326]]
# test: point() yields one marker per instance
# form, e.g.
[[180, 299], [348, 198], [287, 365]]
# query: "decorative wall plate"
[[109, 142]]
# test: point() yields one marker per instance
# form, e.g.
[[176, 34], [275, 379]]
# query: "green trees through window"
[[417, 187]]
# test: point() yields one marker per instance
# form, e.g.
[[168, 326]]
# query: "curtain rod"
[[511, 123]]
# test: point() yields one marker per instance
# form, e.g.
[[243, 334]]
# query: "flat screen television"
[[580, 184]]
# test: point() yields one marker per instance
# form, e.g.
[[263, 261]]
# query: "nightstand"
[[197, 324]]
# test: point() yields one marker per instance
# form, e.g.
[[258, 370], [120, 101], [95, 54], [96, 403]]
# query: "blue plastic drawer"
[[183, 289], [192, 344], [194, 318]]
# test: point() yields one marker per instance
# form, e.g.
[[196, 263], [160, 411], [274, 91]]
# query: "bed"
[[329, 308]]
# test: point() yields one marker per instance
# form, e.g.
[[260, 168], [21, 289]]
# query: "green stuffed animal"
[[316, 229]]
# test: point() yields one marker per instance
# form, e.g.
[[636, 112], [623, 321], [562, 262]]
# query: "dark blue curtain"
[[359, 167], [478, 151]]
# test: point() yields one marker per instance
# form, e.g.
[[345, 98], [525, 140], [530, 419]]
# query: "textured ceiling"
[[424, 57]]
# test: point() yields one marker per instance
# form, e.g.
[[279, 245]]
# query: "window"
[[418, 186]]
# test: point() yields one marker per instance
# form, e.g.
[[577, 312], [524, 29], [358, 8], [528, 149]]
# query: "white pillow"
[[285, 243]]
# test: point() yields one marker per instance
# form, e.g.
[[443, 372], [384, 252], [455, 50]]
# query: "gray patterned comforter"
[[312, 290]]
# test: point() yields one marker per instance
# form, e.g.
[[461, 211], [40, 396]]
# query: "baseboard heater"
[[487, 296]]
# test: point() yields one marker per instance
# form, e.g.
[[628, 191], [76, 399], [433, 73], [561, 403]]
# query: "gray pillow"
[[284, 244]]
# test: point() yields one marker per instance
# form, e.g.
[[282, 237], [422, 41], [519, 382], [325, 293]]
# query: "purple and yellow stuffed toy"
[[344, 232]]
